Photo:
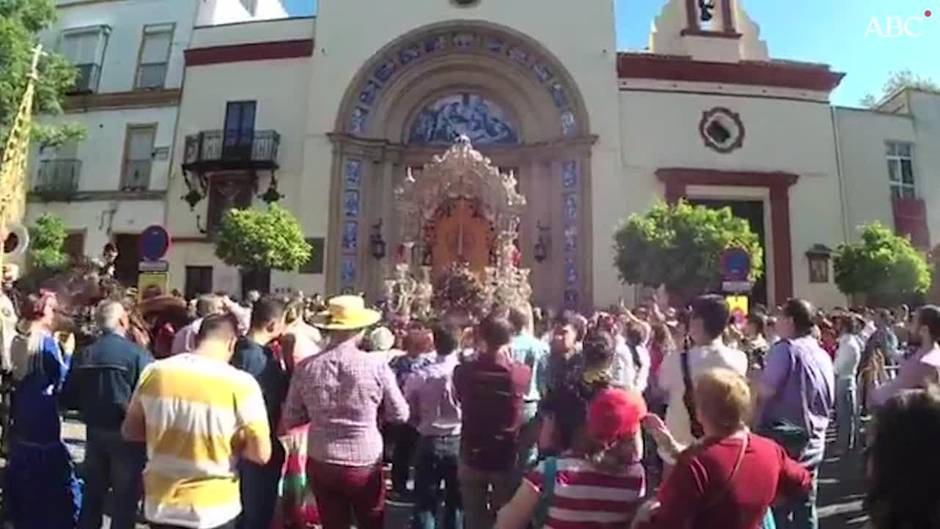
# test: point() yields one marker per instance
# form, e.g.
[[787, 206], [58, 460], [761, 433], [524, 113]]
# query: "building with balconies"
[[129, 60]]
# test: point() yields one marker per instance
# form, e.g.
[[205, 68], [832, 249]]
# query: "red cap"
[[615, 414]]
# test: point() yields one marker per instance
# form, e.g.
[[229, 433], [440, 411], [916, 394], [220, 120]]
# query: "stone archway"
[[525, 94]]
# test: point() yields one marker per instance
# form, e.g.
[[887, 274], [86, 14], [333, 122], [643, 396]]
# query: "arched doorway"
[[519, 107]]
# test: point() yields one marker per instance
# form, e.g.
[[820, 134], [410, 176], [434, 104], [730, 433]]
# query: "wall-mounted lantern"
[[818, 258]]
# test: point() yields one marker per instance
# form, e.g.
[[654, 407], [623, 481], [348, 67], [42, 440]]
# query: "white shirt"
[[848, 356], [715, 355], [623, 370]]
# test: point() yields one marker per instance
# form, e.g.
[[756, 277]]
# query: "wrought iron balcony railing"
[[216, 150], [57, 177]]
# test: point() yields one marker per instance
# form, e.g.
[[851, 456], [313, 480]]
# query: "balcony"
[[57, 179], [214, 151], [136, 175], [86, 79]]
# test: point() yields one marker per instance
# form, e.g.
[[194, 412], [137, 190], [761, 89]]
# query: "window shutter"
[[156, 46]]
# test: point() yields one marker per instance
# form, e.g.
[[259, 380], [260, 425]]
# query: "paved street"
[[841, 487]]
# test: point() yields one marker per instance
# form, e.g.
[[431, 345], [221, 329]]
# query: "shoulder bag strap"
[[734, 472], [688, 395]]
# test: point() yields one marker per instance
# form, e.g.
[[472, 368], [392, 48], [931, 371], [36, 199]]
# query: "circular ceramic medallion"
[[722, 130]]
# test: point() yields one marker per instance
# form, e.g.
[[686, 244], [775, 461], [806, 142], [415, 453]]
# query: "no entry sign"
[[154, 242]]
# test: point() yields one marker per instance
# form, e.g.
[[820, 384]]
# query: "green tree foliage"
[[680, 247], [46, 250], [20, 22], [883, 267], [254, 239], [898, 80]]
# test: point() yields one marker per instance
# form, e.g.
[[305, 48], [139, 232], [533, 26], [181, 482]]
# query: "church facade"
[[329, 115]]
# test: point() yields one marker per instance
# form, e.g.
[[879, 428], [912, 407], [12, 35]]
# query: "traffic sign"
[[153, 266], [154, 243], [735, 265]]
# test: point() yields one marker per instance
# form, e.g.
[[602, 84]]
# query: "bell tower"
[[710, 18], [707, 30]]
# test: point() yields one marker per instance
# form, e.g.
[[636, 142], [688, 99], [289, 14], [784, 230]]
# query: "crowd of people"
[[288, 413]]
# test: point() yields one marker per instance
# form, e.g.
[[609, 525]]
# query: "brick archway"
[[678, 179]]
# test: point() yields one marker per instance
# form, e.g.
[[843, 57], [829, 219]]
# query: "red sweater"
[[692, 495]]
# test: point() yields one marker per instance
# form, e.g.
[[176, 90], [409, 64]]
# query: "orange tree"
[[680, 247]]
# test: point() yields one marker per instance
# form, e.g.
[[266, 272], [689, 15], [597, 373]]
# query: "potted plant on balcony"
[[258, 240]]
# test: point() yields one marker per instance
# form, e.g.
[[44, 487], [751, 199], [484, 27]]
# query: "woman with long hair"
[[41, 489], [599, 479]]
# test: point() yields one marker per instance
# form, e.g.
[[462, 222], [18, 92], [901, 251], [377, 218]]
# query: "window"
[[84, 48], [198, 281], [154, 56], [239, 130], [75, 245], [901, 170], [138, 156], [315, 264]]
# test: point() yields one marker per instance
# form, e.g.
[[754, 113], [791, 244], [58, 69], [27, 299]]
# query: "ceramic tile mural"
[[464, 40], [571, 216], [569, 174], [347, 273], [406, 55], [352, 207], [483, 121], [568, 126], [427, 46], [353, 174], [351, 203]]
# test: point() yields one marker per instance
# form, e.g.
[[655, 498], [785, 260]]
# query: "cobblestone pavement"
[[841, 487]]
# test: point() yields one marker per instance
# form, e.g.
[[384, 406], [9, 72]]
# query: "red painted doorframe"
[[678, 179]]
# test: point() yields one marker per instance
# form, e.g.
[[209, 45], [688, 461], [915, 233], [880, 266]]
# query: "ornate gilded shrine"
[[460, 212], [518, 105]]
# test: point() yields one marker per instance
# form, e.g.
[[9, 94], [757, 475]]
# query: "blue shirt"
[[261, 363], [103, 378]]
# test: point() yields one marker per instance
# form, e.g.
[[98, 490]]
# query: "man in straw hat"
[[339, 392]]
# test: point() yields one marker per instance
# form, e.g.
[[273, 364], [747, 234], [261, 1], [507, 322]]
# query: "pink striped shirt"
[[588, 498]]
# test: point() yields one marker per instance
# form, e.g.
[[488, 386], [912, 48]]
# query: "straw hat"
[[346, 313]]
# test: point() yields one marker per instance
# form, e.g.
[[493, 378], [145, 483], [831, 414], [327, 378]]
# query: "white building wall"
[[127, 19], [866, 191], [281, 106], [661, 129], [101, 210], [926, 110], [100, 219]]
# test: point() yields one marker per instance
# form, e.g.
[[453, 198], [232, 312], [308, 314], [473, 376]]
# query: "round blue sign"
[[735, 264], [154, 242]]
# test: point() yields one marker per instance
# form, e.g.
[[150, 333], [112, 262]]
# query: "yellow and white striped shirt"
[[195, 408]]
